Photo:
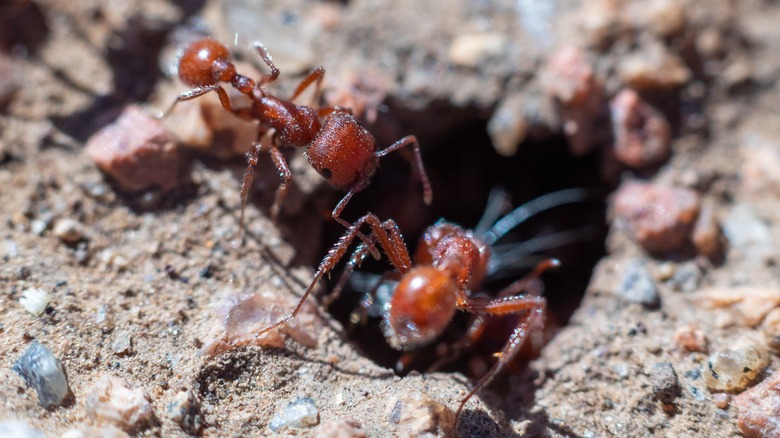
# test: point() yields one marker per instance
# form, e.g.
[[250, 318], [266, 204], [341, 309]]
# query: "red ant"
[[337, 145], [450, 262]]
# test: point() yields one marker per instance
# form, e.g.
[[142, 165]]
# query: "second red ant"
[[336, 144], [449, 264]]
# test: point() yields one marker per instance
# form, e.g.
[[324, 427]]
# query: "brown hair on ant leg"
[[336, 145], [450, 262]]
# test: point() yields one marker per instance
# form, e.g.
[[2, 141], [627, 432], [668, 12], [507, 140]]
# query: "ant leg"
[[324, 112], [263, 52], [200, 91], [407, 141], [357, 258], [285, 175], [530, 282], [314, 77], [337, 252], [249, 176], [533, 322], [336, 214]]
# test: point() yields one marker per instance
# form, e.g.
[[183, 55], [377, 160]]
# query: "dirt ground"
[[140, 291]]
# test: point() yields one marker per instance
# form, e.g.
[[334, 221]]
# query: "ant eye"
[[326, 173]]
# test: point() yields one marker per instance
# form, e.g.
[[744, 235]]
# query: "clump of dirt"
[[134, 283]]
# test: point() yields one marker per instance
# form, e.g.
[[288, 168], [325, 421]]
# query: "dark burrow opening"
[[464, 168]]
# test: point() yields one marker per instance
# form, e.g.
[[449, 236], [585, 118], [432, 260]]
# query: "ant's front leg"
[[200, 91], [314, 77], [285, 175], [399, 257], [411, 140], [263, 52]]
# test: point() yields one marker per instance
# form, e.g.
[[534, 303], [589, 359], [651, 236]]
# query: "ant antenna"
[[531, 208]]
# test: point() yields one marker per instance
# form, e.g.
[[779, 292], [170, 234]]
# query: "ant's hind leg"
[[411, 140], [533, 322]]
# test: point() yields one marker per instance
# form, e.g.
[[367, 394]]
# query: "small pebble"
[[659, 218], [666, 386], [138, 152], [736, 368], [34, 300], [38, 226], [569, 78], [508, 126], [299, 413], [759, 408], [241, 318], [341, 428], [747, 306], [112, 400], [653, 68], [771, 329], [68, 231], [642, 136], [721, 400], [184, 410], [472, 49], [43, 372], [418, 415], [690, 338], [707, 236], [638, 285], [19, 429], [123, 343]]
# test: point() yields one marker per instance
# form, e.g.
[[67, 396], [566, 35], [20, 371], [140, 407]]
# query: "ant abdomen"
[[206, 62], [422, 306]]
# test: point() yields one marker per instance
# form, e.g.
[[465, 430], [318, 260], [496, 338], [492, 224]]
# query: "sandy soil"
[[153, 269]]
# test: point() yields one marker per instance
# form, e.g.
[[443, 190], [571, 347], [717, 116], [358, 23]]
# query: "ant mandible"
[[449, 263], [337, 146]]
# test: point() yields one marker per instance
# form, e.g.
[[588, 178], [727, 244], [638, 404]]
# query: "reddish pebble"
[[759, 408], [657, 217], [691, 338], [641, 133], [569, 78], [137, 152]]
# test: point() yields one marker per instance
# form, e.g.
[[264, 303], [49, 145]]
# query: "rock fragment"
[[242, 317], [299, 413], [666, 386], [638, 285], [659, 218], [44, 373], [421, 416], [691, 338], [569, 78], [747, 306], [69, 231], [642, 136], [184, 410], [35, 300], [138, 152], [759, 408], [736, 368], [112, 400], [341, 428], [19, 429]]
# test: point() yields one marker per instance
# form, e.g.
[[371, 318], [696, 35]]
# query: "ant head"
[[423, 304], [344, 153], [205, 62]]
